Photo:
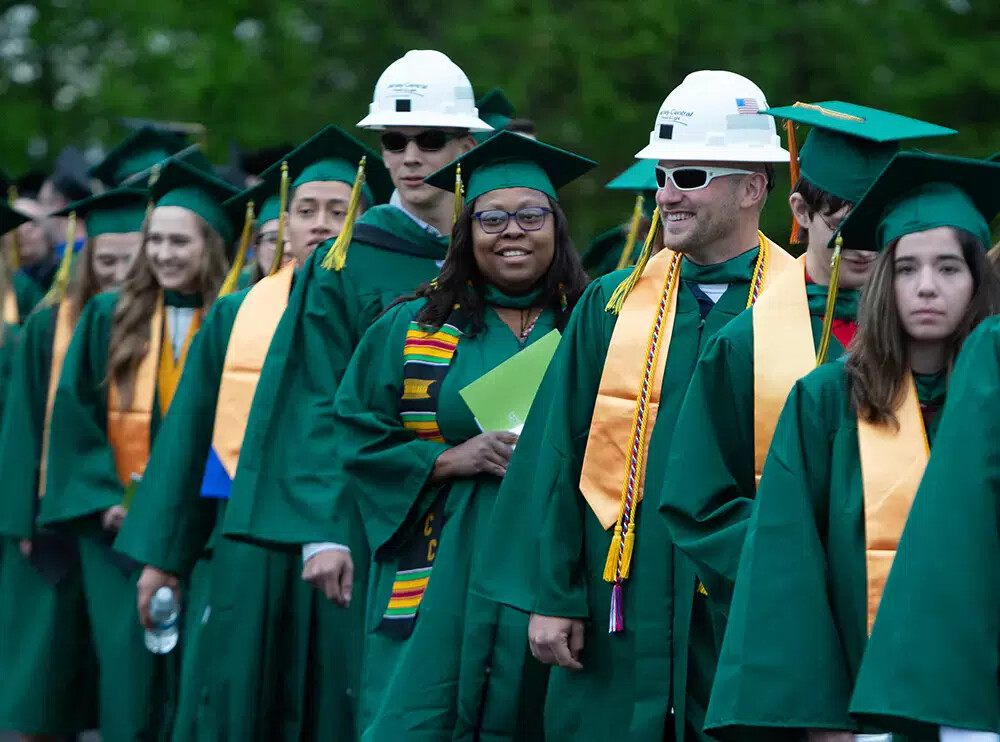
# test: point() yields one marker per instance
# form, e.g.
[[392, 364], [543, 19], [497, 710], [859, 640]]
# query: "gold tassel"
[[229, 285], [625, 259], [627, 551], [336, 256], [794, 174], [621, 293], [279, 247], [831, 301], [14, 254], [61, 281], [611, 565], [459, 196]]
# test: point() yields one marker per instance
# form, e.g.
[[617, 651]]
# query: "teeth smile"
[[513, 253], [678, 217]]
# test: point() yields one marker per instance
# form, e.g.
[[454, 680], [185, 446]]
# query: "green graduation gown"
[[411, 686], [137, 688], [248, 614], [708, 487], [46, 658], [798, 620], [602, 254], [933, 654], [27, 292], [548, 549]]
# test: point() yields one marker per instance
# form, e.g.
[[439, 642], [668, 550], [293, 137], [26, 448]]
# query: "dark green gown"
[[412, 687], [244, 673], [46, 659], [933, 654], [708, 488], [137, 688], [28, 294], [602, 254], [798, 621], [548, 550]]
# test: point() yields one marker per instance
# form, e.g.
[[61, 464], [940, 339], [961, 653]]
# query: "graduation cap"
[[256, 161], [119, 211], [180, 184], [11, 218], [848, 146], [497, 110], [30, 183], [920, 191], [638, 178], [69, 174], [260, 203], [509, 160], [131, 161]]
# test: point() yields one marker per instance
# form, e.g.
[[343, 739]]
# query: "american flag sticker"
[[747, 105]]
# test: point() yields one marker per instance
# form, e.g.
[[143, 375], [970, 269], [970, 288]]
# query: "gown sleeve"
[[21, 432], [385, 466], [708, 489], [169, 522], [782, 664], [82, 479], [933, 655]]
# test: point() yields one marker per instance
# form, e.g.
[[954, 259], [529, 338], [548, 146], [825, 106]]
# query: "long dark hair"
[[878, 363], [460, 281]]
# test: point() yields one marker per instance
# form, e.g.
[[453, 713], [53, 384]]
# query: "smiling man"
[[614, 605], [424, 108], [742, 379]]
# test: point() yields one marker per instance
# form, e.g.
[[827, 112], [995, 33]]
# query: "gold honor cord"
[[279, 248], [229, 285], [625, 259]]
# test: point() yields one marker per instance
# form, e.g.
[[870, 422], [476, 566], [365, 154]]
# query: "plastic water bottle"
[[164, 612]]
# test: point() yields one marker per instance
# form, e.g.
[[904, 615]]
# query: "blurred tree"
[[591, 73]]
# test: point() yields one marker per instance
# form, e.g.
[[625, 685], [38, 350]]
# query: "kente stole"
[[892, 464], [253, 329], [427, 357], [613, 472], [61, 336], [157, 372]]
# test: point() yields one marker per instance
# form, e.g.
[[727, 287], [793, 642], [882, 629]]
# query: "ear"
[[466, 143], [800, 210], [755, 190]]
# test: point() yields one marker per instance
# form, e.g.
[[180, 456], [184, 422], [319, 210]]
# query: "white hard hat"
[[424, 88], [713, 117]]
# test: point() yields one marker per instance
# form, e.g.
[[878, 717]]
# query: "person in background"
[[118, 379], [848, 454], [50, 672], [620, 246]]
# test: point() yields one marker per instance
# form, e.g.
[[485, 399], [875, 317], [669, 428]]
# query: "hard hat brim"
[[436, 120], [703, 153]]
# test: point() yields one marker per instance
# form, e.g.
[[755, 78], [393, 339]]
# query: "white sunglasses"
[[693, 178]]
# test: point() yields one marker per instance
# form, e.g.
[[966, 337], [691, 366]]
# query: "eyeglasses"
[[530, 219], [693, 178], [431, 140]]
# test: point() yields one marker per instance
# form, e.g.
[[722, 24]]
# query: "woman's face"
[[511, 257], [175, 248], [112, 257], [267, 242], [933, 283]]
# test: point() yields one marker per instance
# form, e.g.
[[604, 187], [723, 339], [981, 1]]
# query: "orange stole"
[[253, 329], [783, 353], [60, 343], [607, 455], [892, 464], [11, 315], [170, 371]]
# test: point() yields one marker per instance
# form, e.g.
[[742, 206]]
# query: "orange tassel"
[[793, 172]]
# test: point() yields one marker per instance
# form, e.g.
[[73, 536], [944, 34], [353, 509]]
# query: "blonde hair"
[[130, 324]]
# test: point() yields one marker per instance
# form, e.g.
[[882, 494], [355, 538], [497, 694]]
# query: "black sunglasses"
[[432, 140]]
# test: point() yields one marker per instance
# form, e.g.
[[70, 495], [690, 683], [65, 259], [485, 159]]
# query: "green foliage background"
[[591, 73]]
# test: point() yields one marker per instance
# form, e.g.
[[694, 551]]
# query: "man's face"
[[411, 164], [315, 215]]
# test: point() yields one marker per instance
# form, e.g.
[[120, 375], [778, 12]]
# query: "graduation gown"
[[411, 686], [798, 621], [933, 653], [46, 658], [602, 254], [709, 484], [248, 614], [27, 292], [548, 549], [137, 688]]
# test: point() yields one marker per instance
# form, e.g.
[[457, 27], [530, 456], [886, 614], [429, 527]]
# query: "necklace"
[[528, 323]]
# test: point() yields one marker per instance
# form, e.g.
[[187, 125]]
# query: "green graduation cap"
[[509, 160], [119, 211], [10, 218], [180, 184], [333, 154], [496, 109], [139, 151], [638, 178], [920, 191], [850, 144], [266, 202]]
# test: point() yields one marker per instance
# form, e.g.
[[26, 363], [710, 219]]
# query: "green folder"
[[501, 398]]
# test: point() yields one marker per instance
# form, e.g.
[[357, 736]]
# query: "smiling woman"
[[423, 472]]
